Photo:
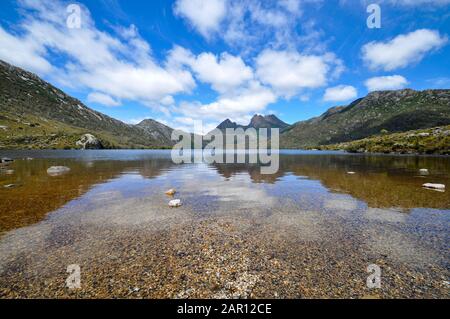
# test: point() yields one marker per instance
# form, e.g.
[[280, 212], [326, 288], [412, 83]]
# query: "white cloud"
[[403, 50], [413, 3], [204, 15], [392, 82], [104, 99], [23, 52], [117, 65], [340, 93], [289, 72], [252, 99], [223, 73]]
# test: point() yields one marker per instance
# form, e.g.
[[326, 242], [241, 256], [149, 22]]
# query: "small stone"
[[9, 172], [171, 192], [175, 203], [57, 170], [9, 186], [424, 171], [351, 173]]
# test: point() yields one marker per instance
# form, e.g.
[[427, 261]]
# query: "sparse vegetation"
[[429, 141]]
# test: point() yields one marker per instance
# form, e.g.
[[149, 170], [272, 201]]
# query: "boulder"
[[57, 170], [89, 142]]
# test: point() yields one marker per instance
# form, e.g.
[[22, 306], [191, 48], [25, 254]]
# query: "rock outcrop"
[[89, 142]]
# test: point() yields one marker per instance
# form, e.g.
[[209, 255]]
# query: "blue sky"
[[188, 60]]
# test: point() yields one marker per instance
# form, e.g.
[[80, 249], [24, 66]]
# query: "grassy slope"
[[433, 141], [34, 111], [395, 111]]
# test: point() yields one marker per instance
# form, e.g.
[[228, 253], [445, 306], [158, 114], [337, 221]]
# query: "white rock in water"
[[57, 170], [175, 203], [424, 171], [351, 173], [434, 186], [6, 160]]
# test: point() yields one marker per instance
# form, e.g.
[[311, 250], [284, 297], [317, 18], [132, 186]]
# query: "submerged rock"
[[175, 203], [434, 186], [57, 170], [89, 142], [171, 192], [6, 160], [424, 171], [9, 186], [351, 173]]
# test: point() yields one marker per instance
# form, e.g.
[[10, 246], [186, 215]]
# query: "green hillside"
[[392, 111]]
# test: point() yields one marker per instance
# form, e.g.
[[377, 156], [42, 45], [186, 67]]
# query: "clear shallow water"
[[310, 220]]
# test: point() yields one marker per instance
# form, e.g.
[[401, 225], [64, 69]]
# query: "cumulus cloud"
[[412, 3], [289, 72], [249, 100], [249, 24], [392, 82], [119, 65], [403, 50], [224, 73], [103, 99], [340, 93], [24, 52], [204, 15]]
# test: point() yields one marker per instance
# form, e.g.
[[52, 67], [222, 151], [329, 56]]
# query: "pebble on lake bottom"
[[57, 170], [171, 192], [175, 203]]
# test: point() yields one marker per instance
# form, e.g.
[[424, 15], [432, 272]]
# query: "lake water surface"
[[311, 230]]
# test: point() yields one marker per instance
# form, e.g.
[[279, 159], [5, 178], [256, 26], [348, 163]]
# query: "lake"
[[309, 231]]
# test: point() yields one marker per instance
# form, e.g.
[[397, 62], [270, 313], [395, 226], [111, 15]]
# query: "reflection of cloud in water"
[[385, 215], [239, 189], [341, 204]]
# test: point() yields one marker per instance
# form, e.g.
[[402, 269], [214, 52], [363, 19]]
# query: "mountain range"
[[257, 122], [35, 114]]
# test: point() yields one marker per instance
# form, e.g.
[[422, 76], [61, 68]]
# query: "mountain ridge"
[[391, 111], [257, 121], [25, 98]]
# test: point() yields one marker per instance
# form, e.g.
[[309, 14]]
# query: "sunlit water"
[[308, 231]]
